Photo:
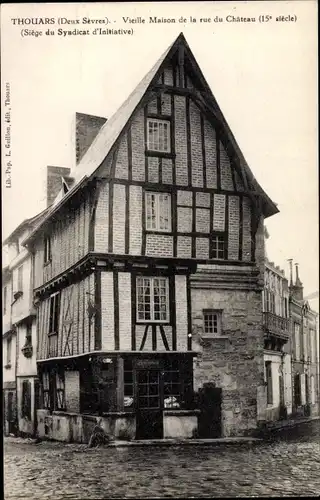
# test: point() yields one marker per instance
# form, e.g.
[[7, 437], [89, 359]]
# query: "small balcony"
[[276, 326]]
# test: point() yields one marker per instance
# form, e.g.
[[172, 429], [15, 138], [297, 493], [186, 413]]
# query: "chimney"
[[297, 288], [298, 282], [87, 128], [290, 267], [57, 177]]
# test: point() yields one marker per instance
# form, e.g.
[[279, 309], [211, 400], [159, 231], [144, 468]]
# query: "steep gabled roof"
[[112, 129]]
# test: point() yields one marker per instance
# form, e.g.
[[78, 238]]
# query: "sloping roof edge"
[[24, 224]]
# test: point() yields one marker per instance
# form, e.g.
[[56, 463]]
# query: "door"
[[36, 405], [149, 411], [11, 414], [283, 409], [210, 412]]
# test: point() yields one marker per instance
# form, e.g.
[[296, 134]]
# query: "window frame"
[[313, 344], [218, 313], [213, 237], [152, 308], [9, 350], [20, 278], [28, 340], [54, 313], [26, 399], [47, 255], [269, 382], [168, 138], [148, 208], [59, 388], [297, 346], [5, 299]]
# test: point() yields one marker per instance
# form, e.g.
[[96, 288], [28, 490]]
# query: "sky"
[[263, 75]]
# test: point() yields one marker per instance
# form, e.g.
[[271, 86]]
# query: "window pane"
[[152, 299], [158, 135], [158, 212]]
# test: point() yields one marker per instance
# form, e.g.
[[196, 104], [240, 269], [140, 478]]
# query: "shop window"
[[46, 391], [60, 392], [128, 384], [171, 385]]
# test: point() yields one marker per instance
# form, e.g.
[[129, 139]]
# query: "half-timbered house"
[[161, 211]]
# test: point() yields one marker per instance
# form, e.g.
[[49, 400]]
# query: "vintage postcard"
[[160, 280]]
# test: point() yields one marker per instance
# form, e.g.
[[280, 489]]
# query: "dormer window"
[[47, 249], [158, 138]]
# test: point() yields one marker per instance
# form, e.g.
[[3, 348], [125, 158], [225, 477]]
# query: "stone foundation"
[[72, 427]]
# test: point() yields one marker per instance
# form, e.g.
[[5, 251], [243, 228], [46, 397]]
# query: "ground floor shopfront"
[[131, 396]]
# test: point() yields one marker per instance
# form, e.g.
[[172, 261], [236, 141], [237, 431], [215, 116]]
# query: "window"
[[47, 249], [313, 345], [268, 367], [60, 399], [212, 323], [158, 212], [152, 299], [20, 279], [54, 313], [29, 334], [5, 295], [128, 383], [312, 390], [218, 247], [171, 385], [46, 390], [297, 339], [26, 400], [9, 345], [158, 135], [297, 390]]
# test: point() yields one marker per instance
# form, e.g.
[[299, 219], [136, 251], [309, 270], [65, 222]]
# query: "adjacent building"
[[20, 383], [9, 393], [305, 352], [277, 353]]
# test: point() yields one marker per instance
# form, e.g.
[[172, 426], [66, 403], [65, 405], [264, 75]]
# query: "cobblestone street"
[[289, 465]]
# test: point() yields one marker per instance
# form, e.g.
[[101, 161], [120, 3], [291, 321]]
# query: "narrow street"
[[289, 465]]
